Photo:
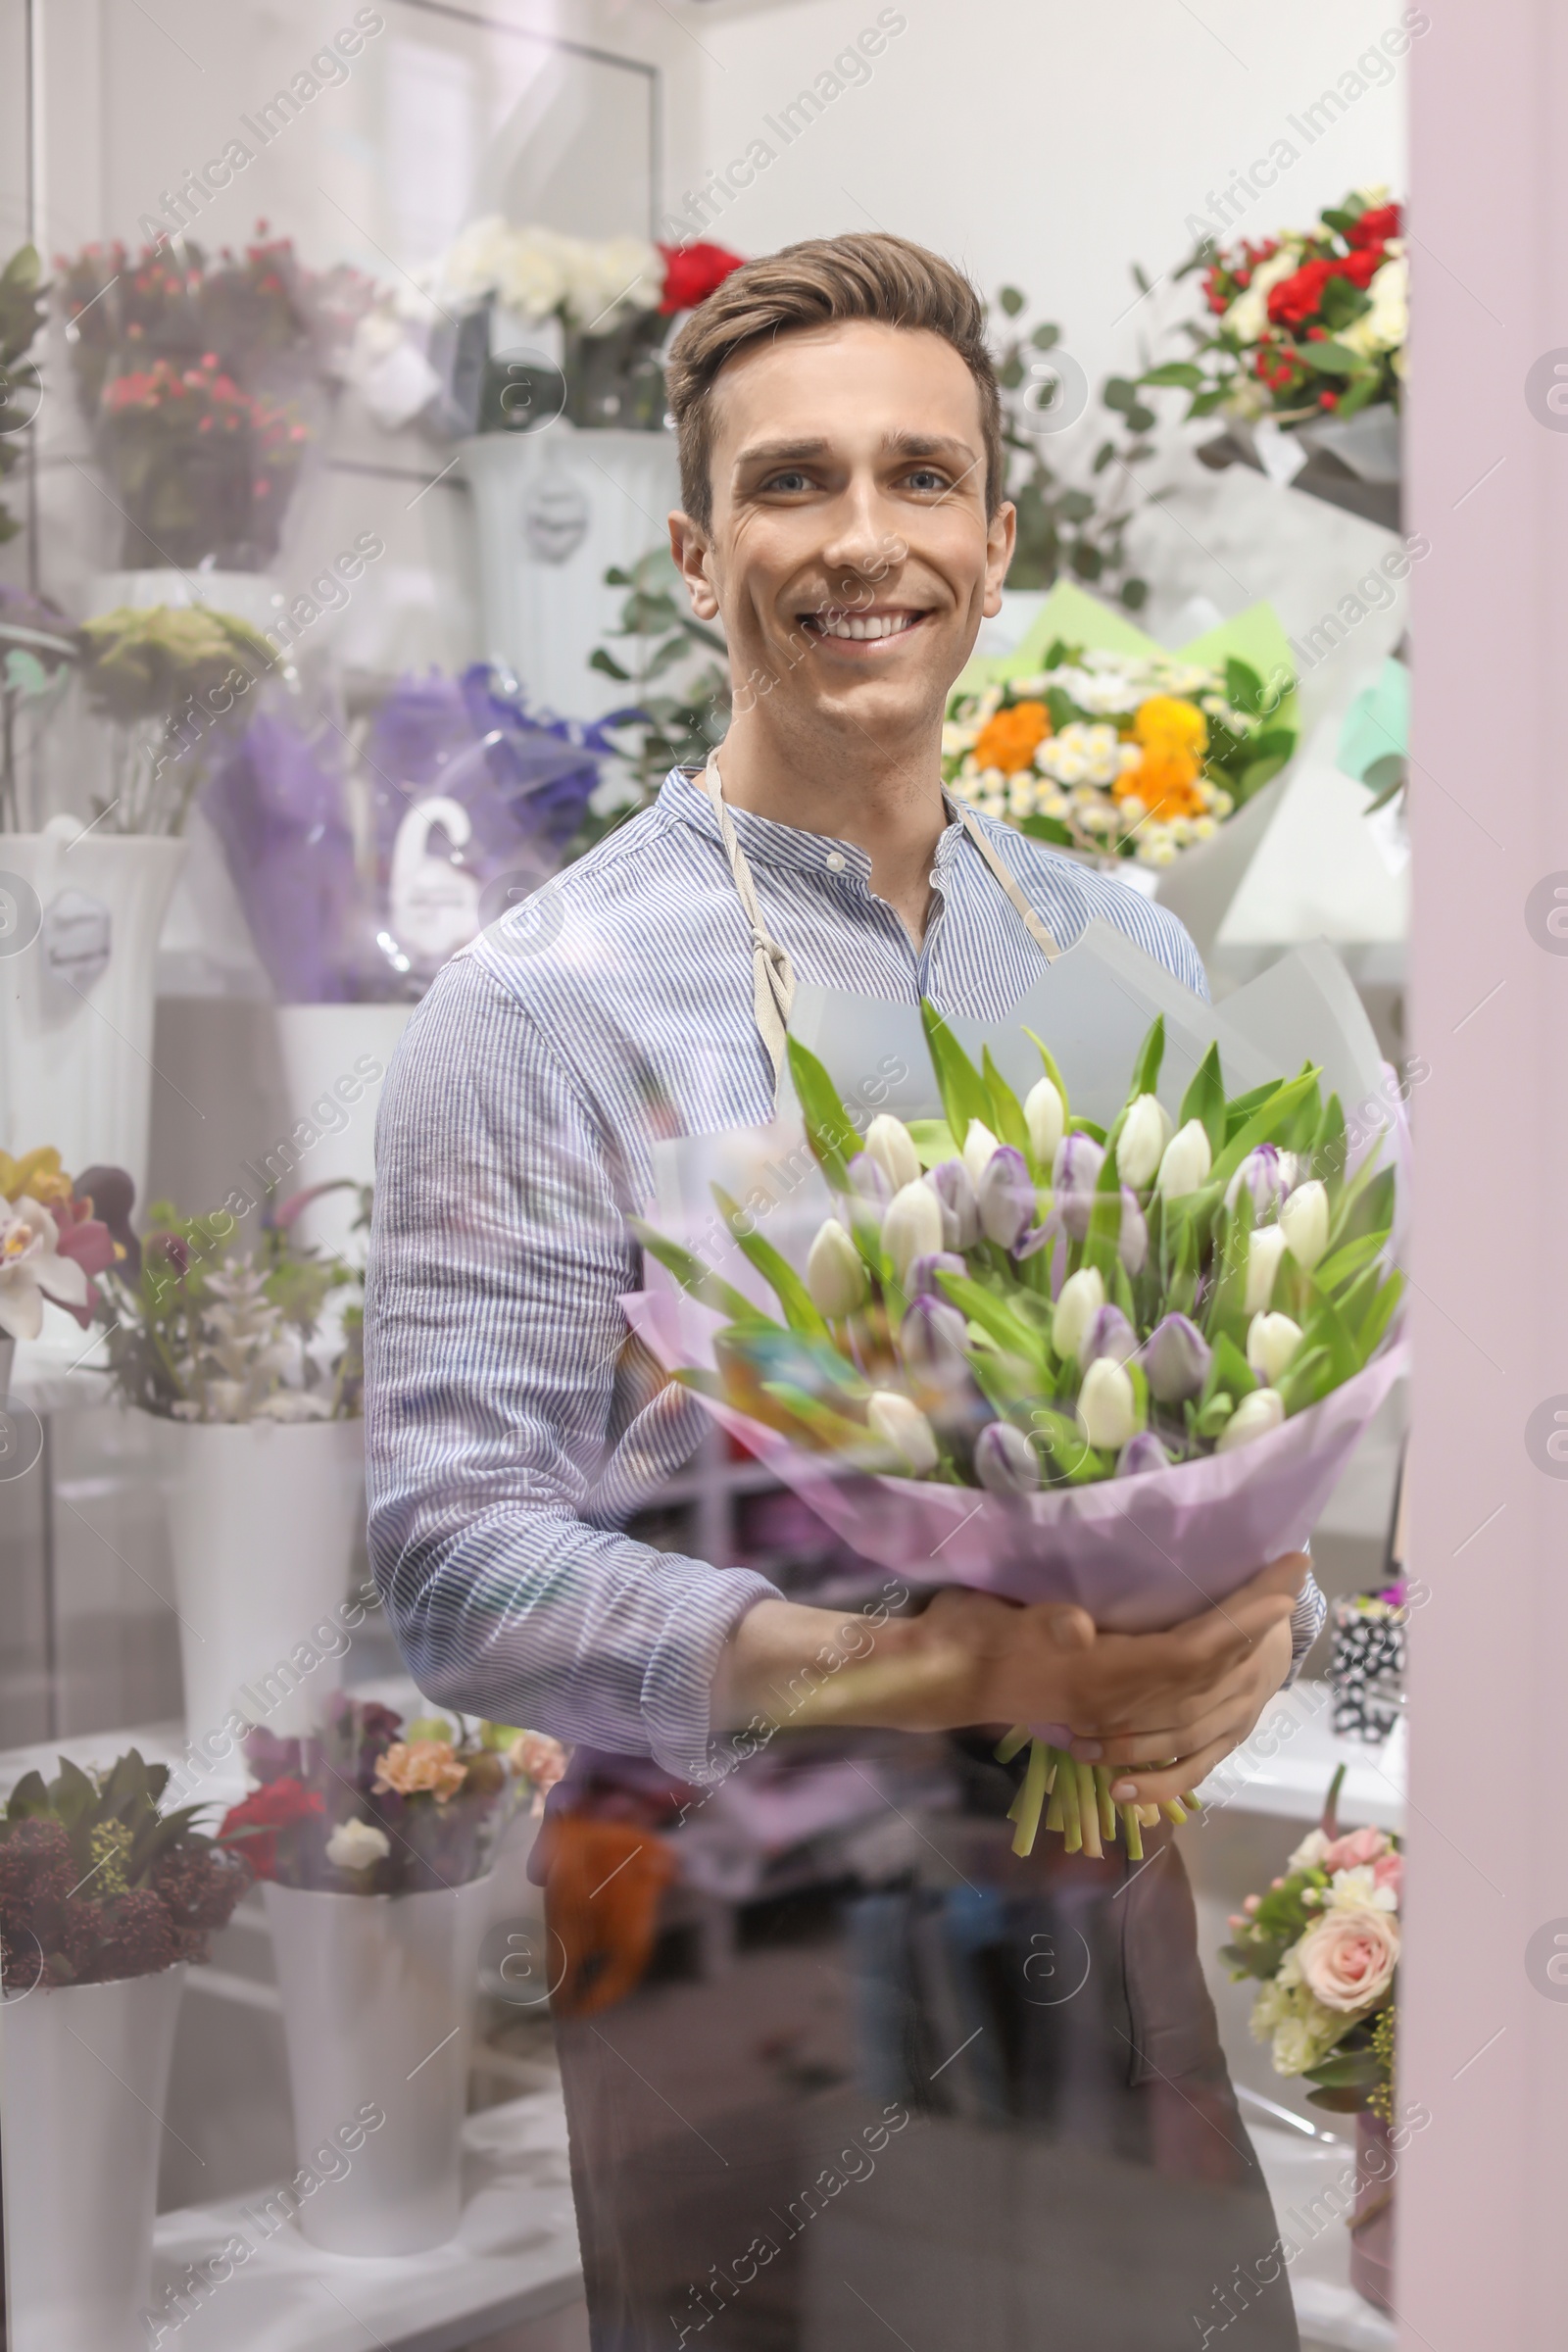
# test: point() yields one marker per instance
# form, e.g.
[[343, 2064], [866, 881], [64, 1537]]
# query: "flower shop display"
[[53, 1242], [364, 863], [612, 303], [164, 678], [1306, 334], [103, 1904], [1121, 1363], [204, 379], [22, 301], [1367, 1661], [374, 1840], [1323, 1946], [246, 1362], [1100, 741]]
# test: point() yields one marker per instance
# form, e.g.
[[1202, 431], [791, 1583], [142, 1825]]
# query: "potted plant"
[[104, 1902], [246, 1361], [1323, 1946], [78, 990], [375, 1842]]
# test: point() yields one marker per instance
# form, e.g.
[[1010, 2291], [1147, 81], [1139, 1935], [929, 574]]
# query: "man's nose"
[[861, 544]]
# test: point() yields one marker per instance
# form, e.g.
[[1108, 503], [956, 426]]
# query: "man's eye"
[[927, 478], [792, 478]]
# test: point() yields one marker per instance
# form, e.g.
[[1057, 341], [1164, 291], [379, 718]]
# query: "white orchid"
[[31, 1268]]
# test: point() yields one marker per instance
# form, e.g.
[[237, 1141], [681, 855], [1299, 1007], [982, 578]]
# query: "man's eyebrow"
[[903, 444], [775, 452]]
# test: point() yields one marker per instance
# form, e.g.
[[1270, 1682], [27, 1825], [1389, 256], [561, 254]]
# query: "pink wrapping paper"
[[1139, 1553]]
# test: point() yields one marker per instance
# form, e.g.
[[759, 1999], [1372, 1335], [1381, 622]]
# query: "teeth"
[[867, 625]]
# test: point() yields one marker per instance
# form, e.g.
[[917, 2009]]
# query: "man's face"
[[849, 558]]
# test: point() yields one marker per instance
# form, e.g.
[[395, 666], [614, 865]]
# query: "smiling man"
[[843, 519]]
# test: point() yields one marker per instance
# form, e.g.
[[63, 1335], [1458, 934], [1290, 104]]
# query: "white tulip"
[[980, 1149], [1046, 1116], [1271, 1342], [903, 1428], [1264, 1250], [1304, 1217], [356, 1845], [1253, 1417], [835, 1273], [912, 1226], [1108, 1404], [892, 1147], [1078, 1302], [1186, 1161], [1141, 1146]]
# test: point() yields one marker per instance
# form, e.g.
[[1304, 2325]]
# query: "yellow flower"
[[413, 1766], [38, 1174], [1168, 722]]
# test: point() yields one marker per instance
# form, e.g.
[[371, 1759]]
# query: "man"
[[843, 517]]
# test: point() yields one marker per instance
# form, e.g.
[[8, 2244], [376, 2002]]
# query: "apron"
[[849, 2072]]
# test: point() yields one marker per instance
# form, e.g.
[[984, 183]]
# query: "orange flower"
[[1166, 780], [411, 1767], [1010, 739]]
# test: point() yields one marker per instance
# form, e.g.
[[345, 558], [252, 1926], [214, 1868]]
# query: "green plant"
[[167, 679], [96, 1884], [1064, 528], [23, 302], [680, 727]]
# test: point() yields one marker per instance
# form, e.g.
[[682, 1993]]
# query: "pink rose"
[[1348, 1958], [1350, 1853], [1388, 1871]]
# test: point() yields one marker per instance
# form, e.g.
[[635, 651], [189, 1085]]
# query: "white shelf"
[[1292, 1779], [513, 2260], [1301, 2173]]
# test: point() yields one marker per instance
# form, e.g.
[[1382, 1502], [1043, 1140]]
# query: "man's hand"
[[1166, 1706]]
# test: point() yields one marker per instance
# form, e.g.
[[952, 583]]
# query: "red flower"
[[1328, 399], [1374, 227], [1298, 297], [281, 1806], [692, 271]]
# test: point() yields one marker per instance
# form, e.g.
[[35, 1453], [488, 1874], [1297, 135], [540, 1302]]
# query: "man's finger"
[[1150, 1787]]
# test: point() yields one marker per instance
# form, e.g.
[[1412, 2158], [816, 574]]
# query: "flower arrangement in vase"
[[171, 682], [57, 1235]]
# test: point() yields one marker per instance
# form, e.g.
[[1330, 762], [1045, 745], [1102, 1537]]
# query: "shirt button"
[[835, 862]]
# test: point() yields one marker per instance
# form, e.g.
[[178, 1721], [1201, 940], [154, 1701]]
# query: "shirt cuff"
[[1306, 1623]]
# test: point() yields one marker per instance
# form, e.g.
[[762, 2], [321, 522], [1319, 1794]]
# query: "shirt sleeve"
[[498, 1375], [1306, 1623]]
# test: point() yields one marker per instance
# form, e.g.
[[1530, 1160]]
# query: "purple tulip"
[[1076, 1172], [1132, 1244], [1007, 1196], [1142, 1452], [1176, 1359], [1005, 1462], [931, 1340], [961, 1210], [922, 1280], [1267, 1174], [868, 1184], [1109, 1334]]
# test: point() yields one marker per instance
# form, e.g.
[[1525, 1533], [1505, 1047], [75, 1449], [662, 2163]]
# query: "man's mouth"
[[861, 627]]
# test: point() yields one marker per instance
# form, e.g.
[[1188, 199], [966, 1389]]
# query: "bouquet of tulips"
[[1122, 1367]]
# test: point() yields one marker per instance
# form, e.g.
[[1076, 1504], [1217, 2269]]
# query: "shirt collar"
[[785, 847]]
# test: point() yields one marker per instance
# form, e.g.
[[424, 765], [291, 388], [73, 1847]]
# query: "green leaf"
[[72, 1794], [1244, 688], [960, 1084], [707, 1287], [933, 1141], [1205, 1099], [996, 1318], [1378, 1315], [1341, 1265], [29, 1798], [1045, 336], [801, 1311], [1308, 1376], [1011, 301], [829, 1129], [1007, 1121], [1326, 1326], [1049, 829], [1260, 1127], [1151, 1053], [1141, 419], [1175, 372], [1135, 595], [1367, 1207], [600, 661], [1053, 1072], [1229, 1371], [834, 1431], [1120, 393]]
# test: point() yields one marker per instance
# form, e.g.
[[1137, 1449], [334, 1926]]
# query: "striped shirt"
[[512, 1429]]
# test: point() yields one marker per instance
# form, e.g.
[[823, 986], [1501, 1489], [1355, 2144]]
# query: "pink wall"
[[1483, 2200]]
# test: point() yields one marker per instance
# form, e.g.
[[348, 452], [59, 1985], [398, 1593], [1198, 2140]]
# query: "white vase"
[[77, 1002], [262, 1520], [329, 1052], [83, 2085], [378, 1995], [554, 510]]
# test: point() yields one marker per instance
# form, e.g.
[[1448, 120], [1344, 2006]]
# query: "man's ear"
[[1000, 533], [692, 550]]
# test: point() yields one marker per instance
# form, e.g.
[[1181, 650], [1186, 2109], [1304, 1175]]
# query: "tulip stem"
[[1089, 1812], [1190, 1802], [1107, 1810], [1033, 1796], [1133, 1834], [1175, 1810], [1073, 1837], [1009, 1745], [1055, 1813]]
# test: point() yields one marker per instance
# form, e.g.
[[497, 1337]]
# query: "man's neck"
[[885, 798]]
